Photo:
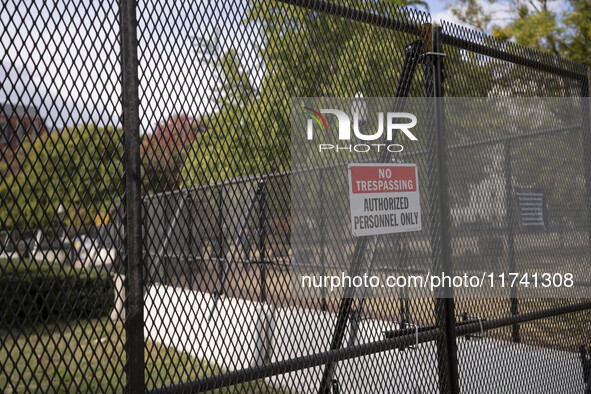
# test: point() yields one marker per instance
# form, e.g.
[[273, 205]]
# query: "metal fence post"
[[219, 219], [510, 214], [444, 305], [586, 130], [321, 213], [134, 301], [261, 241], [586, 127], [219, 236]]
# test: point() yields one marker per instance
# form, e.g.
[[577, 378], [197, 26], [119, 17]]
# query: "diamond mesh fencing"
[[237, 271], [61, 187], [533, 157], [153, 208]]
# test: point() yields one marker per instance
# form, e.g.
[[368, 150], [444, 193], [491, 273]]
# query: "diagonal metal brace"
[[414, 56]]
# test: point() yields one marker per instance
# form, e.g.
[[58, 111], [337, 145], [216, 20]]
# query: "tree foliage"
[[302, 54], [552, 162], [561, 28], [164, 151], [64, 177]]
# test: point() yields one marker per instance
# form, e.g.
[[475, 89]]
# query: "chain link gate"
[[146, 188]]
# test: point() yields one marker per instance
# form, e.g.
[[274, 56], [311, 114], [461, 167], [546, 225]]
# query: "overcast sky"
[[499, 10], [51, 53], [64, 58]]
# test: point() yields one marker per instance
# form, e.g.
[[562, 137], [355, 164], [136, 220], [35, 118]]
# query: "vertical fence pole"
[[219, 236], [321, 213], [134, 301], [262, 263], [510, 214], [586, 123], [444, 306], [586, 130]]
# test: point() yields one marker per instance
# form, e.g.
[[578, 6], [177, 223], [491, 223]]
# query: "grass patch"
[[90, 356]]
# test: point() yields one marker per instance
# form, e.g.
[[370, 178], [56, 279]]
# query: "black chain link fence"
[[479, 66], [145, 212]]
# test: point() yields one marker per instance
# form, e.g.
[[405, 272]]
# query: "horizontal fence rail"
[[402, 340], [514, 58]]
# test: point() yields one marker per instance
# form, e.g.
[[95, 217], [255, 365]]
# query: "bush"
[[33, 292]]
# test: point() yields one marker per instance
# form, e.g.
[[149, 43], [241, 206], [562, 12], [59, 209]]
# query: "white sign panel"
[[384, 198]]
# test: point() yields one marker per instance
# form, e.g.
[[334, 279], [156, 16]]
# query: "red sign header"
[[383, 179]]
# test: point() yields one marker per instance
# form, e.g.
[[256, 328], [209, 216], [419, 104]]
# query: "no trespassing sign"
[[384, 198]]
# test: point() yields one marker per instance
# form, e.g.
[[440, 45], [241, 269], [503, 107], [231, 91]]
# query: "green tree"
[[77, 170], [537, 24], [302, 54], [227, 145]]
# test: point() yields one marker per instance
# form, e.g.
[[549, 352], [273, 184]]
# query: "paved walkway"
[[245, 333]]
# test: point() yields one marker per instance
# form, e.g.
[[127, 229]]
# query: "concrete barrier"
[[118, 312], [182, 319], [53, 256]]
